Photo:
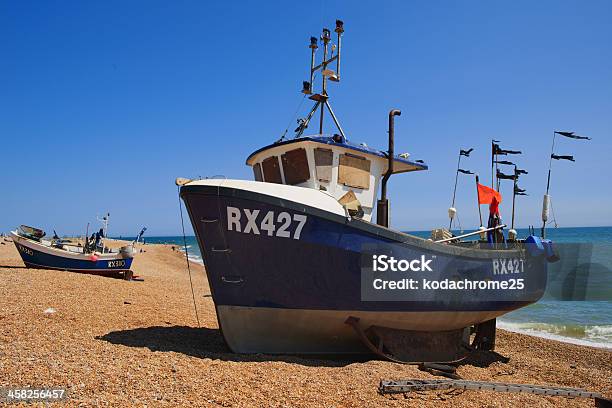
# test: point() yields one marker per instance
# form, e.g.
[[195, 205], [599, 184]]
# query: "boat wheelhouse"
[[351, 173]]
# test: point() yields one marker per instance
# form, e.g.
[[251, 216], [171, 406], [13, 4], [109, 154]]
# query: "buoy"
[[483, 234], [512, 235], [545, 205], [452, 211], [93, 257]]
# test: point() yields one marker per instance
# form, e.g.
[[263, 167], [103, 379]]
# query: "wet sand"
[[113, 342]]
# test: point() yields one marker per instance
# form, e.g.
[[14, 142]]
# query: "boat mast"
[[322, 99], [86, 241], [104, 220], [546, 199], [514, 187]]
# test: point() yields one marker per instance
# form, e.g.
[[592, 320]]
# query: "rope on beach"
[[195, 308]]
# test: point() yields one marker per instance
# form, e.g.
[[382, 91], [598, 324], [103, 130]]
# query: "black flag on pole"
[[464, 171], [557, 157], [496, 149], [517, 190], [503, 176], [465, 153], [572, 135], [504, 162], [503, 151]]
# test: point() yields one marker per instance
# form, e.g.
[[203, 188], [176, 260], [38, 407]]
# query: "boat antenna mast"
[[104, 221], [322, 98]]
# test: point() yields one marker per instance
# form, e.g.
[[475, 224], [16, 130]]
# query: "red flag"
[[486, 195]]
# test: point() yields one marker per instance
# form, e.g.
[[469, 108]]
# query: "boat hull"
[[39, 256], [293, 292], [307, 331]]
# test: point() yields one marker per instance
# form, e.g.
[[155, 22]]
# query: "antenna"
[[322, 98], [104, 221]]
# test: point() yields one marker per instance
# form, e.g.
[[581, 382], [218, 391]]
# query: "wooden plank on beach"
[[403, 386]]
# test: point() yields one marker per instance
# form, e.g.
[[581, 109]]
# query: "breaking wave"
[[586, 335]]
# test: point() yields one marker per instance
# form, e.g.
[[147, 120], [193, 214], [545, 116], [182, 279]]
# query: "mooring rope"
[[459, 223], [552, 210], [195, 308]]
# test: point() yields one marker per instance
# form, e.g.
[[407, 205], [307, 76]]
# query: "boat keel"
[[413, 347]]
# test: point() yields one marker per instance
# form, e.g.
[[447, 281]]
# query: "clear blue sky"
[[103, 104]]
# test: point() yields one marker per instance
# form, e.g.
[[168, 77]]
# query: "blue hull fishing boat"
[[92, 257], [296, 265]]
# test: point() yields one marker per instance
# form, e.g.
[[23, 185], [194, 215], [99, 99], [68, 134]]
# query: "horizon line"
[[404, 231]]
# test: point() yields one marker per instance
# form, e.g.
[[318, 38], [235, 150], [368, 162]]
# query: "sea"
[[577, 306]]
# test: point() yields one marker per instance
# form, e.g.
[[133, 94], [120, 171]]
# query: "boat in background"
[[92, 256]]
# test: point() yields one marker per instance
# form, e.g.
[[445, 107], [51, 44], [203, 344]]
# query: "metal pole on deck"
[[492, 165], [455, 190], [86, 238], [546, 197], [513, 197], [326, 38], [478, 200]]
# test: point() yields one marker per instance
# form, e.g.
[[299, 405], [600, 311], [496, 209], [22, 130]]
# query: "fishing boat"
[[92, 256], [296, 264]]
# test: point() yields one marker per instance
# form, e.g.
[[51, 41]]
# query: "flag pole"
[[454, 192], [513, 196], [492, 161], [546, 196], [496, 171], [478, 200]]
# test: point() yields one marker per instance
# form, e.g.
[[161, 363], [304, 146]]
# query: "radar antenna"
[[322, 99]]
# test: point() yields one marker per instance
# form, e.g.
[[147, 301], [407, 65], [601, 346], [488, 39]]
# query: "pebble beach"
[[112, 342]]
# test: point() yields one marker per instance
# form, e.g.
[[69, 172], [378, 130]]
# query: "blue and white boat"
[[289, 256], [93, 257]]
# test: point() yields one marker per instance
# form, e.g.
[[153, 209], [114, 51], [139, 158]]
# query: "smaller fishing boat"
[[91, 256]]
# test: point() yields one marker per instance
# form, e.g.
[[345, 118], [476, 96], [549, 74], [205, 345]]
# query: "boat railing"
[[471, 234]]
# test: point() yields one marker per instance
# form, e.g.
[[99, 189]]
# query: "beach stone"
[[106, 355]]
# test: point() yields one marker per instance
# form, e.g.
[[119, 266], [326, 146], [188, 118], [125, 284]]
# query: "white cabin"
[[348, 172]]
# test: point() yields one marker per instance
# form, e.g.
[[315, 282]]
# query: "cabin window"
[[257, 172], [323, 163], [354, 171], [271, 170], [295, 166]]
